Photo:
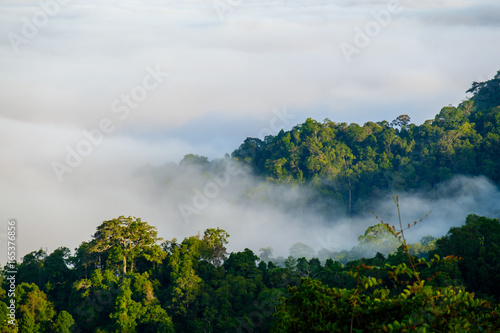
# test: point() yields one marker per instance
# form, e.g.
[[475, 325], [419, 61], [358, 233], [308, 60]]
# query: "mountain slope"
[[353, 163]]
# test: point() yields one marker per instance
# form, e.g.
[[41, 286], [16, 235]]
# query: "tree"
[[8, 325], [185, 284], [59, 276], [194, 160], [314, 307], [35, 311], [155, 320], [478, 244], [299, 250], [126, 237], [242, 264], [291, 265], [250, 152], [266, 253], [56, 265], [93, 300], [214, 250], [374, 307], [32, 269], [348, 173], [63, 322], [401, 121], [86, 257], [486, 94], [377, 238], [127, 311]]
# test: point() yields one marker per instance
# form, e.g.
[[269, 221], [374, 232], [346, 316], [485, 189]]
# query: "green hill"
[[353, 163]]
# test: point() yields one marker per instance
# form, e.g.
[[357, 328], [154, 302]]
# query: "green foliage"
[[34, 311], [32, 269], [378, 238], [185, 283], [486, 94], [194, 160], [63, 322], [127, 311], [213, 246], [477, 243], [92, 300], [371, 307], [352, 163], [375, 305], [155, 320], [242, 264], [190, 291], [122, 238]]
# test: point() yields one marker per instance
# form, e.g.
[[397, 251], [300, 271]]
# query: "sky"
[[91, 91]]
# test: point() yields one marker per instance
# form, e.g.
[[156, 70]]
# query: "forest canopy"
[[196, 286], [353, 163]]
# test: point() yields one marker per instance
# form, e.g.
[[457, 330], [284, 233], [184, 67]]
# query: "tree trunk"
[[350, 197]]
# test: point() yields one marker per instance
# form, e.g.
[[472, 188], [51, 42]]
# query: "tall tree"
[[214, 249], [185, 283], [127, 237]]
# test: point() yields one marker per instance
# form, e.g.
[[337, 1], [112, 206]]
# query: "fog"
[[184, 200], [258, 214]]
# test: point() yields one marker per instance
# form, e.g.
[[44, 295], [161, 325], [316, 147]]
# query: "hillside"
[[353, 163]]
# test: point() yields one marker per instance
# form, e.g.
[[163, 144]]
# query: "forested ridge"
[[126, 278], [354, 163]]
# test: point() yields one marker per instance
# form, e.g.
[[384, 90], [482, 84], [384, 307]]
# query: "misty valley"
[[327, 227]]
